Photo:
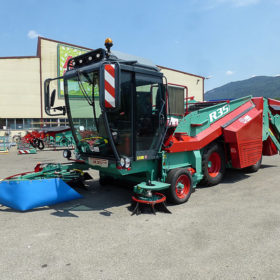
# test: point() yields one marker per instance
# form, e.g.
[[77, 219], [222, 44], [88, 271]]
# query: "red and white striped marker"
[[109, 75], [25, 152]]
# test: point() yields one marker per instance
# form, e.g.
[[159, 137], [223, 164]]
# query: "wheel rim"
[[214, 164], [183, 186]]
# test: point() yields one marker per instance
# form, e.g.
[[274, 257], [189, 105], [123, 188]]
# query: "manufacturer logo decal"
[[218, 113]]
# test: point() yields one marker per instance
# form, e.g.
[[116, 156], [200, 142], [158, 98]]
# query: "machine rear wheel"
[[213, 165], [181, 185], [253, 168]]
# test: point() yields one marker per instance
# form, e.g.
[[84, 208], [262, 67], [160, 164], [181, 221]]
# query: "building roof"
[[163, 67]]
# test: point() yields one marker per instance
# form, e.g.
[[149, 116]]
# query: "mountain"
[[256, 86]]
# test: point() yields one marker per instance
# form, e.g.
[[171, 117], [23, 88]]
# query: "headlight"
[[122, 162], [127, 163]]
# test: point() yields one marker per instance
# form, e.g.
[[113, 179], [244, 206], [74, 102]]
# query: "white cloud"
[[32, 34], [229, 72], [277, 75]]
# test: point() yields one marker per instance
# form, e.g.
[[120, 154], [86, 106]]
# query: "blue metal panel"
[[25, 195]]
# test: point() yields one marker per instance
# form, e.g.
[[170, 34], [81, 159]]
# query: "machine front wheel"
[[213, 165], [181, 185], [105, 180]]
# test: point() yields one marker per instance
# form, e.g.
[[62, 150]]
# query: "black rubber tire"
[[209, 180], [172, 178], [253, 168], [40, 144], [33, 143], [105, 180]]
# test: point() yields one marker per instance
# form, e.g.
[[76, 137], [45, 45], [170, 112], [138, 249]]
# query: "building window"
[[11, 124], [19, 124], [63, 122], [3, 124], [27, 123], [35, 124], [176, 99], [31, 124]]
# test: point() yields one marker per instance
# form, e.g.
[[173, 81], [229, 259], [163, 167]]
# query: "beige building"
[[22, 85]]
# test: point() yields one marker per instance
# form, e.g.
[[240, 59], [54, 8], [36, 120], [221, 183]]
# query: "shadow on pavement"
[[236, 175], [268, 166], [95, 198], [231, 176]]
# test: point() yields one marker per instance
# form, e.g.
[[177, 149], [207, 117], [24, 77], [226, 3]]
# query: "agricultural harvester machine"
[[119, 114]]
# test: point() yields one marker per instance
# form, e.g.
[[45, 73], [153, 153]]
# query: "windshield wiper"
[[93, 105], [88, 78], [90, 102]]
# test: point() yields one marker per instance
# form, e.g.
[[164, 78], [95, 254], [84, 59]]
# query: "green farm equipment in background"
[[49, 137], [58, 137], [4, 144]]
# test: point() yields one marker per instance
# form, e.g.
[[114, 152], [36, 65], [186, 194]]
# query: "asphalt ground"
[[230, 231]]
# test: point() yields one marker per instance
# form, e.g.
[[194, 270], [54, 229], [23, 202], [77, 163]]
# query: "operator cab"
[[116, 108]]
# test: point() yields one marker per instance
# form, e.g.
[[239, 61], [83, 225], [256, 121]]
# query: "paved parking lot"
[[230, 231]]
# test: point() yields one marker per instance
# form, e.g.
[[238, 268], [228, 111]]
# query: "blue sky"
[[224, 40]]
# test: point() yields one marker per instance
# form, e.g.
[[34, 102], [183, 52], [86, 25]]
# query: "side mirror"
[[47, 95], [110, 86], [52, 98]]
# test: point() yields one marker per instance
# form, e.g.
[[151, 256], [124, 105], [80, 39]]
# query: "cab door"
[[150, 115]]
